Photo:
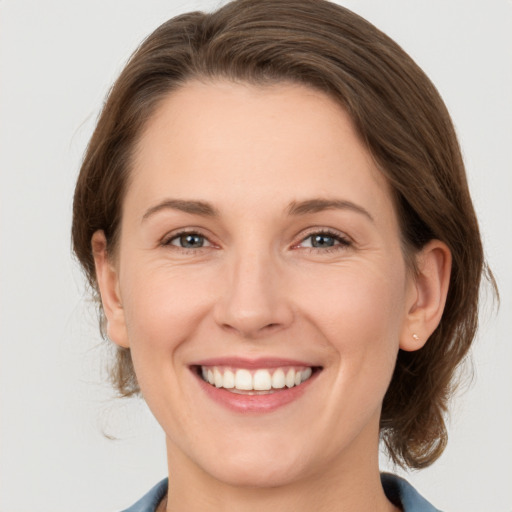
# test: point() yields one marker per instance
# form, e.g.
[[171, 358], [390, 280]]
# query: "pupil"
[[190, 241], [323, 241]]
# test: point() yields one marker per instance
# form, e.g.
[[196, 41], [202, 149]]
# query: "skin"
[[257, 288]]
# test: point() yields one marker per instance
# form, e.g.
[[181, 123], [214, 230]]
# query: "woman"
[[274, 211]]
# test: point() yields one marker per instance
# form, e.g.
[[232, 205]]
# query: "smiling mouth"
[[255, 381]]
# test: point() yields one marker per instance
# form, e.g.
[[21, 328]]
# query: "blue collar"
[[402, 494]]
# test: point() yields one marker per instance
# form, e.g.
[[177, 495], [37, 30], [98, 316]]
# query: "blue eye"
[[324, 240], [188, 241]]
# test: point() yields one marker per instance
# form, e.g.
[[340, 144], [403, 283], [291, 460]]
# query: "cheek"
[[360, 313], [164, 305], [361, 298]]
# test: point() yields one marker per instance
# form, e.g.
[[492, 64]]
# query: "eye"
[[324, 240], [188, 241]]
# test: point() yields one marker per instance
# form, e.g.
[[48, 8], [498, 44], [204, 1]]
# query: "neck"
[[304, 499], [345, 484]]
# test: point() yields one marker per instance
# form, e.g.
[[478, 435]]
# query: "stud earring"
[[415, 337]]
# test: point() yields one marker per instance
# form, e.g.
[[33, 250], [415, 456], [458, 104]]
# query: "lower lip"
[[255, 403]]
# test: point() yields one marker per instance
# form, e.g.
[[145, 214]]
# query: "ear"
[[108, 282], [427, 297]]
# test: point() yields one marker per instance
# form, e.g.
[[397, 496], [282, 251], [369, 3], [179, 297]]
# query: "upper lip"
[[249, 363]]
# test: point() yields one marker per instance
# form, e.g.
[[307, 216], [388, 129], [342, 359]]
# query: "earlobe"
[[108, 283], [428, 297]]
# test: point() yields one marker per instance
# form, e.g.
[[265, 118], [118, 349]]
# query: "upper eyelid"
[[166, 242], [175, 233], [325, 231]]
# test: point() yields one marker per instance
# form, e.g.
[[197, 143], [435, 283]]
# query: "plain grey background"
[[57, 61]]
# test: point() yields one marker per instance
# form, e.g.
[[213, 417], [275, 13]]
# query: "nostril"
[[250, 328]]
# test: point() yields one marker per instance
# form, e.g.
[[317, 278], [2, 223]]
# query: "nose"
[[254, 301]]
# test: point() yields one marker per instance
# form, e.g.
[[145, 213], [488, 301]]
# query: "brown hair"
[[397, 112]]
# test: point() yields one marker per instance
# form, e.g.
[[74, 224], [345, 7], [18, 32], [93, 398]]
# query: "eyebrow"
[[194, 207], [295, 208], [319, 205]]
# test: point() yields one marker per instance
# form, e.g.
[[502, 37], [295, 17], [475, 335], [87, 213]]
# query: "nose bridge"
[[255, 299]]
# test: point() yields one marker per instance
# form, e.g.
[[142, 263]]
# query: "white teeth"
[[217, 376], [255, 380], [278, 381], [243, 380], [290, 378], [306, 374], [229, 379], [262, 380]]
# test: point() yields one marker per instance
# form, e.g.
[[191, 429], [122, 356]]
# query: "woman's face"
[[259, 246]]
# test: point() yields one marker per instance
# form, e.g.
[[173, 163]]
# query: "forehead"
[[223, 141]]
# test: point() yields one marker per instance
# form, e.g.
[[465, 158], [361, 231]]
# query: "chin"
[[263, 472], [255, 460]]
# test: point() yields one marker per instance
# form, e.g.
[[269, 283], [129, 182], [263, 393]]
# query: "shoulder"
[[149, 502], [403, 494]]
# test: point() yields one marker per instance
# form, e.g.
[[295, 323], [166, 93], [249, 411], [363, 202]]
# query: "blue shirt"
[[399, 491]]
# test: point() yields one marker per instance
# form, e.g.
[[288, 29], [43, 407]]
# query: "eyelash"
[[167, 241], [341, 241]]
